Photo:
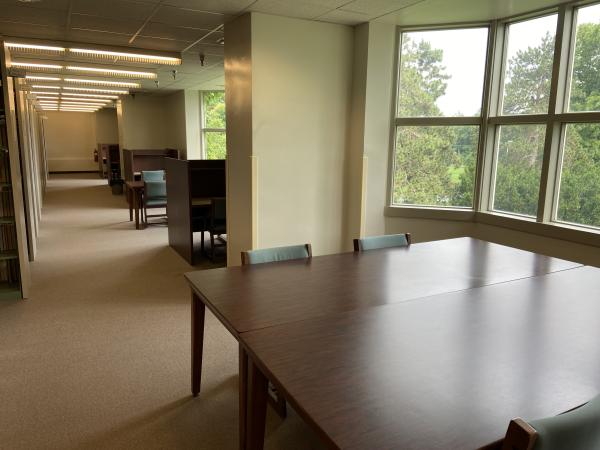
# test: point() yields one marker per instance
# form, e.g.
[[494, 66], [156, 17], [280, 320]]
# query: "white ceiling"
[[189, 26]]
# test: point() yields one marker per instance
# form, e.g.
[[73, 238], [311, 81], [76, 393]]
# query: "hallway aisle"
[[98, 357]]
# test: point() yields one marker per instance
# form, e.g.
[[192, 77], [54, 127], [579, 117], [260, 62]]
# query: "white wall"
[[155, 121], [70, 141], [106, 126], [301, 94], [192, 123]]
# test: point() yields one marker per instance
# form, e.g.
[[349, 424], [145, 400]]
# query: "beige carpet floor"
[[98, 356]]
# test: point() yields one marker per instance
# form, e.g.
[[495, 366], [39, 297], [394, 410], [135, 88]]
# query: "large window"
[[213, 125], [518, 135], [527, 74], [438, 117]]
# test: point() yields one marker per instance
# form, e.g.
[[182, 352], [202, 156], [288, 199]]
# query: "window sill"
[[554, 230], [425, 212]]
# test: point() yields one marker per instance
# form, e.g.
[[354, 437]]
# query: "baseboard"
[[71, 171]]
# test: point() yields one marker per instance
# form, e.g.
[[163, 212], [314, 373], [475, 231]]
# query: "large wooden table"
[[326, 289], [444, 372]]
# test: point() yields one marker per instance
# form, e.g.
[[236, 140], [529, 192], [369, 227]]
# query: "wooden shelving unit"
[[14, 257]]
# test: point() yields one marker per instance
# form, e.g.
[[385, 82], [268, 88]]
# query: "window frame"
[[556, 121], [203, 128], [432, 121]]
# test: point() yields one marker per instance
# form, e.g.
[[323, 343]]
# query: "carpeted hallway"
[[98, 357]]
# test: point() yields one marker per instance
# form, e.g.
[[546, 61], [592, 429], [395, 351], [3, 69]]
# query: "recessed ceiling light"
[[135, 57], [123, 73], [87, 100], [44, 93], [128, 84], [43, 86], [101, 91]]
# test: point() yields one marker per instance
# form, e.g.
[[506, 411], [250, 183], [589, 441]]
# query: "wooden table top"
[[135, 184], [444, 372], [251, 297]]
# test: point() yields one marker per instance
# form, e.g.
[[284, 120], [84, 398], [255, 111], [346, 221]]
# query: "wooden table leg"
[[136, 206], [243, 395], [257, 408], [130, 202], [198, 310]]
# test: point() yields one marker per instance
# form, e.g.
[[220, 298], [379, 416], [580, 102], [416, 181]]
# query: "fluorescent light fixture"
[[126, 84], [135, 57], [35, 65], [87, 100], [77, 94], [43, 97], [101, 91], [44, 93], [92, 105], [48, 48], [42, 86], [41, 78], [123, 73]]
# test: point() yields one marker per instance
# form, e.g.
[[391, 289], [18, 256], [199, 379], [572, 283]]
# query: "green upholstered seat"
[[274, 254], [386, 241], [153, 175], [155, 193], [578, 429]]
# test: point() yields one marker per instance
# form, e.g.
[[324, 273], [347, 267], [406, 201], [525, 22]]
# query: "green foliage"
[[214, 117], [214, 109], [215, 144], [436, 165]]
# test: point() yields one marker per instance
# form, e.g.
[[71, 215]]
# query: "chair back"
[[155, 190], [385, 241], [153, 175], [578, 429], [265, 255]]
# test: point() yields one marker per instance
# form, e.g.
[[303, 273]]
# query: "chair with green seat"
[[153, 175], [385, 241], [155, 196], [275, 254], [577, 429]]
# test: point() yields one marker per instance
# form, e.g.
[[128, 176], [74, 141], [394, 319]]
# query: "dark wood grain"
[[198, 312], [189, 182], [137, 160], [262, 295], [444, 372]]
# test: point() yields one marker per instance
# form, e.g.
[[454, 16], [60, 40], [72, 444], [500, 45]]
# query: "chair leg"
[[212, 246], [277, 401]]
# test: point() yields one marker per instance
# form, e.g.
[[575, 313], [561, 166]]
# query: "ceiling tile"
[[114, 9], [208, 48], [27, 15], [300, 10], [189, 18], [164, 31], [94, 23], [219, 6], [32, 31], [97, 37], [57, 5], [160, 44], [376, 8], [344, 17]]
